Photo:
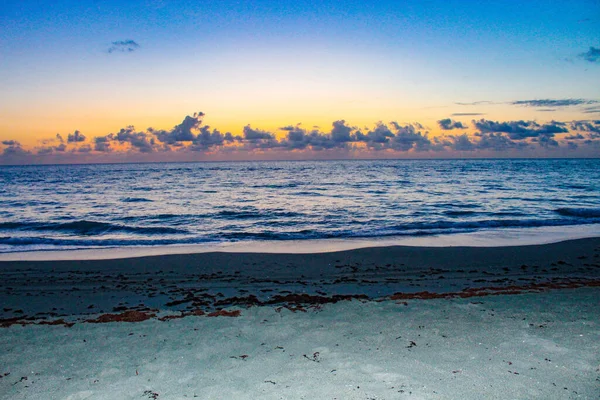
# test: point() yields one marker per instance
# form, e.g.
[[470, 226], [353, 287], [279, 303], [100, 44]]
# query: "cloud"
[[102, 143], [591, 110], [592, 55], [123, 46], [408, 138], [51, 149], [75, 137], [497, 142], [139, 140], [378, 138], [552, 102], [14, 149], [592, 127], [577, 136], [206, 139], [467, 114], [191, 135], [257, 134], [341, 133], [519, 130], [448, 124], [461, 143], [183, 132]]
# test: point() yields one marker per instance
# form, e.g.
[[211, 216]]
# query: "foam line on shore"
[[483, 238]]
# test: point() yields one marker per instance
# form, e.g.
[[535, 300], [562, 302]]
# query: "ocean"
[[61, 207]]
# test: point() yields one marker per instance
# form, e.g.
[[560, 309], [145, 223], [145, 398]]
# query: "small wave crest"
[[579, 212], [87, 228], [136, 200]]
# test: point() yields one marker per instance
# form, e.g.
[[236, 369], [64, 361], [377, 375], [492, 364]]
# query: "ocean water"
[[120, 205]]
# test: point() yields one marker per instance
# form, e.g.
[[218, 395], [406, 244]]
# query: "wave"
[[579, 212], [136, 200], [249, 214], [87, 228]]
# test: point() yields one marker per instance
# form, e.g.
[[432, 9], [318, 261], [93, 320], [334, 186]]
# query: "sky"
[[157, 80]]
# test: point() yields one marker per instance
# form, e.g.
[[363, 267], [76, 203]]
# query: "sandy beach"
[[389, 322]]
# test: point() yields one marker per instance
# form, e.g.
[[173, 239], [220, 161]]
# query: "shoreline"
[[506, 237]]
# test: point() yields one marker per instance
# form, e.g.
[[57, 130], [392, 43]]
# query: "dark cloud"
[[51, 149], [14, 149], [497, 142], [519, 130], [467, 114], [75, 137], [102, 143], [378, 138], [408, 138], [577, 136], [461, 143], [448, 124], [183, 132], [207, 139], [552, 102], [592, 127], [592, 55], [256, 134], [191, 135], [139, 140], [341, 133], [546, 109], [123, 46]]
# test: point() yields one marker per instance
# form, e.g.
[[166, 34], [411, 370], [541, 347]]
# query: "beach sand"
[[390, 322]]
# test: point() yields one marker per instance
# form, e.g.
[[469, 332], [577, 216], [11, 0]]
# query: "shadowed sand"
[[209, 281]]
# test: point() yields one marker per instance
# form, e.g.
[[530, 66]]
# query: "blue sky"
[[275, 63]]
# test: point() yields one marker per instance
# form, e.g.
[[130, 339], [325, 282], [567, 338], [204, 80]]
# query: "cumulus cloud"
[[257, 134], [552, 102], [448, 124], [14, 149], [51, 149], [592, 55], [592, 127], [183, 132], [408, 138], [75, 137], [461, 143], [123, 46], [138, 140], [207, 139], [191, 135]]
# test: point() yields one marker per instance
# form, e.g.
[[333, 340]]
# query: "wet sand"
[[38, 290]]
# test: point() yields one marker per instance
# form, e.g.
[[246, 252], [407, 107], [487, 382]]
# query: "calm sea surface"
[[83, 206]]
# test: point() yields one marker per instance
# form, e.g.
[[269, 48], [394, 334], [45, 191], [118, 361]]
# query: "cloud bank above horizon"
[[480, 138]]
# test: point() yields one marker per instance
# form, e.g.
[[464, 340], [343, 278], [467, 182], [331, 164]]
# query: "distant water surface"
[[122, 205]]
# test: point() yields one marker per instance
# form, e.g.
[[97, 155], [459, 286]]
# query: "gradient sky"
[[69, 65]]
